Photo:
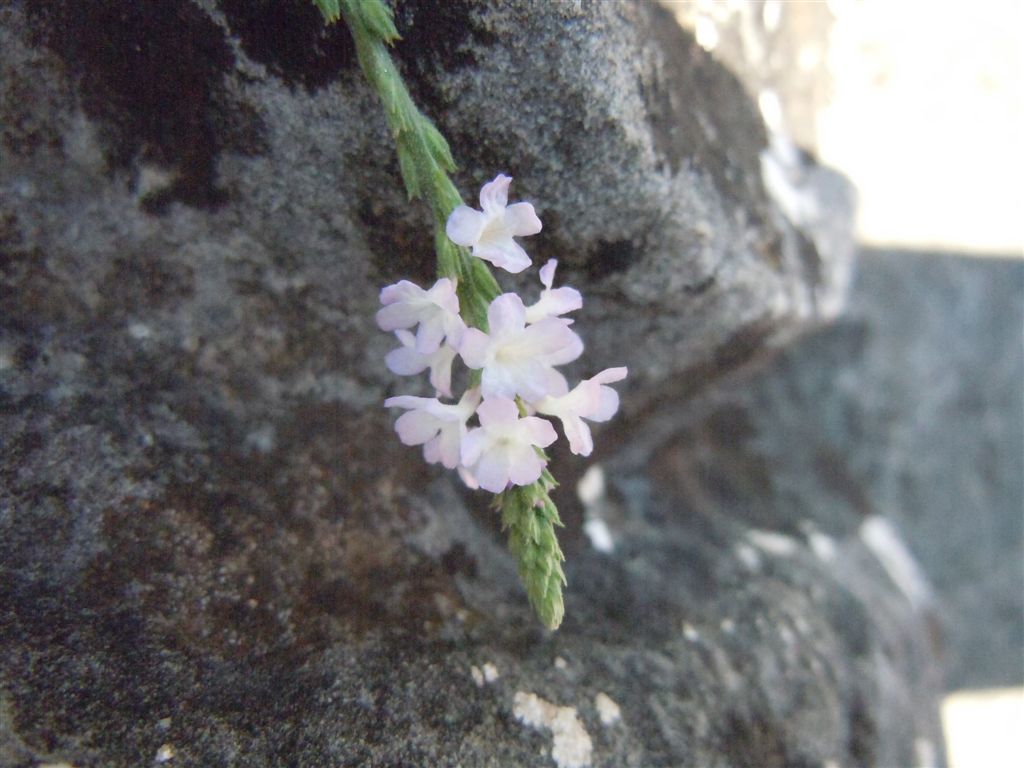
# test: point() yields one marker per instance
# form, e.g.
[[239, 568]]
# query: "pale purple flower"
[[502, 449], [591, 399], [517, 358], [553, 301], [467, 478], [439, 427], [490, 231], [435, 310], [408, 361]]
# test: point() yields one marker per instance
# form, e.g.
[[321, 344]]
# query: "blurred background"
[[921, 106]]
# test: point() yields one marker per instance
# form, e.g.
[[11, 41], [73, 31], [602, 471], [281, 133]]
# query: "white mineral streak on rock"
[[822, 545], [600, 535], [879, 535], [572, 747], [592, 491], [607, 710], [477, 675], [772, 543], [592, 486], [747, 555]]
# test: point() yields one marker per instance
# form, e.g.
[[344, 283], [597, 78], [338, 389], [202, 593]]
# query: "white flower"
[[489, 232], [408, 361], [501, 450], [553, 301], [467, 478], [440, 428], [590, 399], [517, 359], [436, 311]]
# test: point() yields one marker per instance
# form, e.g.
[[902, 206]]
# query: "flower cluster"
[[516, 358]]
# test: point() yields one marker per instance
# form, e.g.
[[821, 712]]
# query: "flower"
[[553, 301], [590, 399], [467, 478], [489, 232], [502, 449], [436, 311], [407, 361], [517, 359], [439, 427]]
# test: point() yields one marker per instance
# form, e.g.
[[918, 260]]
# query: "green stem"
[[425, 160], [424, 157]]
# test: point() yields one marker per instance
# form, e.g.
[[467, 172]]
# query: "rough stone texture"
[[780, 52], [908, 409], [938, 394], [209, 539]]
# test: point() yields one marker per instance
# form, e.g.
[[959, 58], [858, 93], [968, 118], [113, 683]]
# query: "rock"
[[899, 425], [945, 356], [212, 548]]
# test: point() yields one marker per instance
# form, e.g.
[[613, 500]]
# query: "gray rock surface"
[[937, 397], [211, 545], [909, 410]]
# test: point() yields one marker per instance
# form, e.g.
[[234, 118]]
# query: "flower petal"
[[539, 431], [581, 442], [465, 225], [475, 348], [555, 302], [550, 341], [467, 478], [454, 327], [610, 375], [403, 290], [555, 383], [441, 370], [448, 446], [499, 381], [398, 315], [443, 294], [573, 349], [607, 406], [405, 361], [492, 471], [496, 412], [532, 380], [432, 449], [430, 333], [473, 445], [505, 315], [547, 273], [504, 253], [407, 401], [416, 427], [525, 466], [521, 220], [494, 194]]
